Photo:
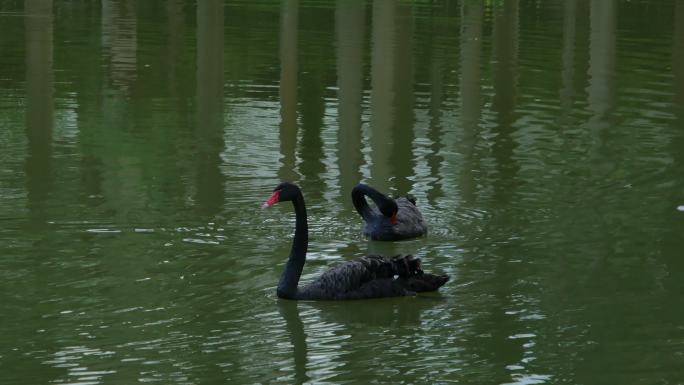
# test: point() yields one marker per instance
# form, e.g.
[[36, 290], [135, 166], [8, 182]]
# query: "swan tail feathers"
[[427, 282], [409, 268]]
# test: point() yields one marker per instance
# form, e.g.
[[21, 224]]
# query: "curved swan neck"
[[287, 287], [359, 194]]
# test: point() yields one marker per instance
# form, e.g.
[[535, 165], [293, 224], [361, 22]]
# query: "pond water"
[[543, 141]]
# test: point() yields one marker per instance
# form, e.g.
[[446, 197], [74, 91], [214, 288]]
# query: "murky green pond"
[[543, 140]]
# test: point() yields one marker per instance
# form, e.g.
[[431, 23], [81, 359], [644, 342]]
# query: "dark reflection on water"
[[401, 158], [505, 52], [210, 189], [382, 93], [350, 36], [39, 112], [542, 141], [470, 96], [339, 327], [288, 88], [295, 327]]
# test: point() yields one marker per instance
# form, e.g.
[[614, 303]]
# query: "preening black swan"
[[370, 276], [392, 220]]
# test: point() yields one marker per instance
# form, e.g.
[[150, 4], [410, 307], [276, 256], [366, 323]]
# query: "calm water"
[[544, 142]]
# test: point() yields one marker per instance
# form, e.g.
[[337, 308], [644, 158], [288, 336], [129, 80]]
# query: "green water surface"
[[543, 141]]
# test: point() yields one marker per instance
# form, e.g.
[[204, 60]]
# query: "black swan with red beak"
[[392, 219], [369, 276]]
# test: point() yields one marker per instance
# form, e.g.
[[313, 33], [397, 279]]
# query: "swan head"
[[389, 209], [285, 191]]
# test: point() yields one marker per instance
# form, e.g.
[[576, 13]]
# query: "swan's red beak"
[[275, 198], [393, 219]]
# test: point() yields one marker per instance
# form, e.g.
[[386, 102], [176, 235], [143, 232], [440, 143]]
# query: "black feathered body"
[[372, 276], [410, 223]]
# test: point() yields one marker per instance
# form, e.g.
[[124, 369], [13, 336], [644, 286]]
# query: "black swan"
[[369, 276], [392, 220]]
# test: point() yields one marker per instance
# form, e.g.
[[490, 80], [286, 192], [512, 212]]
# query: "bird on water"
[[370, 276], [391, 219]]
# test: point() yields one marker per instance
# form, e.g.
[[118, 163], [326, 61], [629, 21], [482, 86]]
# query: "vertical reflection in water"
[[120, 45], [290, 313], [678, 59], [600, 102], [120, 39], [175, 30], [436, 54], [401, 158], [91, 168], [509, 350], [505, 89], [289, 15], [210, 144], [568, 72], [471, 99], [350, 29], [184, 106], [39, 108], [382, 92], [312, 107], [346, 336], [673, 247], [88, 113], [601, 63], [40, 185]]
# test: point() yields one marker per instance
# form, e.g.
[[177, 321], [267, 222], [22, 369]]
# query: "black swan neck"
[[359, 194], [287, 288]]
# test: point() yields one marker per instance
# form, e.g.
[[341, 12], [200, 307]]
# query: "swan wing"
[[365, 277]]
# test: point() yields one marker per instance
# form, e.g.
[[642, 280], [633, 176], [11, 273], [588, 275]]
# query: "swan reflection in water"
[[323, 333]]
